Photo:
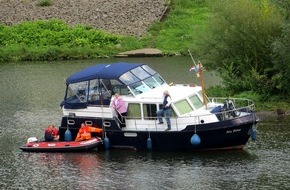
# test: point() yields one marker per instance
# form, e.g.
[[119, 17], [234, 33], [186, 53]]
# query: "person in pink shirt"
[[119, 105]]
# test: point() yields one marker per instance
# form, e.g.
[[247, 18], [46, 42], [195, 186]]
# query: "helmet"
[[32, 139]]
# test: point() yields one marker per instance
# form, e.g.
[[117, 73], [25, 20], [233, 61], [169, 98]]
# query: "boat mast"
[[202, 83], [199, 71]]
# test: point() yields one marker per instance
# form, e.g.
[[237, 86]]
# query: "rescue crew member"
[[51, 133], [85, 132]]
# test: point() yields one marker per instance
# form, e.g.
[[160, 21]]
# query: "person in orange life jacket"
[[119, 105], [166, 110], [85, 132], [51, 133]]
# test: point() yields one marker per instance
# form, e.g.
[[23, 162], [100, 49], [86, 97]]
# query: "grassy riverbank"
[[181, 28], [55, 40]]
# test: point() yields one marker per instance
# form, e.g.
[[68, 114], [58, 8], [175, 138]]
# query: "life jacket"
[[48, 135], [85, 132], [54, 132]]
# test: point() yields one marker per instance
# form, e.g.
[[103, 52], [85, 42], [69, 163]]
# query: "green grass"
[[55, 40], [44, 3], [178, 32]]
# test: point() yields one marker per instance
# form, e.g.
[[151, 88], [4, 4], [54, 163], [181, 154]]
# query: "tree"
[[281, 57], [239, 41]]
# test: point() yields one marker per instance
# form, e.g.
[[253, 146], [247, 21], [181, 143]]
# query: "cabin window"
[[149, 111], [139, 88], [133, 111], [99, 93], [107, 85], [129, 78], [93, 92], [77, 92], [106, 88], [148, 69], [119, 88], [196, 102], [200, 95], [155, 79], [151, 82], [140, 73], [173, 114], [159, 79], [183, 107]]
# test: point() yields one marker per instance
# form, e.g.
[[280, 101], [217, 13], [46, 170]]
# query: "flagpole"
[[191, 57], [202, 84], [200, 78]]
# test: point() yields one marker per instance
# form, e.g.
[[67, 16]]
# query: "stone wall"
[[129, 17]]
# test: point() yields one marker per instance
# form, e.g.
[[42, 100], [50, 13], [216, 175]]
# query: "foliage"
[[55, 32], [272, 103], [217, 91], [178, 31], [44, 3], [238, 44], [54, 39], [281, 56]]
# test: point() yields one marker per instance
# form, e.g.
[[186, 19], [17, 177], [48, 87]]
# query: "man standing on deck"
[[166, 110]]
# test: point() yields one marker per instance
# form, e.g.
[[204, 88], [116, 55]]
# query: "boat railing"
[[241, 102], [218, 112]]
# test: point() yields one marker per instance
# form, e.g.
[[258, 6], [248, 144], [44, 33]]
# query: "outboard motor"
[[32, 139]]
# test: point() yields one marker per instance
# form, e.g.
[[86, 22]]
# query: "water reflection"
[[125, 168], [57, 170]]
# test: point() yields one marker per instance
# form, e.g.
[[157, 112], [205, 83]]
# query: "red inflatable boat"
[[62, 146]]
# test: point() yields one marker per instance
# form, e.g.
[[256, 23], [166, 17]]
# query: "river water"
[[30, 94]]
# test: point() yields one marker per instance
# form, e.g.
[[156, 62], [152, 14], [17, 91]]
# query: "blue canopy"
[[102, 71]]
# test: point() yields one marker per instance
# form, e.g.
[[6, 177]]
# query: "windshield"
[[148, 69], [140, 73], [129, 78], [141, 79], [139, 88]]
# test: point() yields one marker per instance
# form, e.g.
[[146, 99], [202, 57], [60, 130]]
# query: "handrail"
[[215, 99], [176, 122], [242, 107]]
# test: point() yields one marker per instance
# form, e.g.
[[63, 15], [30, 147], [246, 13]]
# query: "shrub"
[[44, 3]]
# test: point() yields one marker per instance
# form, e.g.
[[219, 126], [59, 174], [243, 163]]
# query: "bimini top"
[[102, 71]]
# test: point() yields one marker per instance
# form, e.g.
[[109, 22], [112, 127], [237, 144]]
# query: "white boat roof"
[[176, 92]]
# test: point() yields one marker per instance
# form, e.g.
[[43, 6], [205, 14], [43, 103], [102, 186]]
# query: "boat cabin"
[[96, 85]]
